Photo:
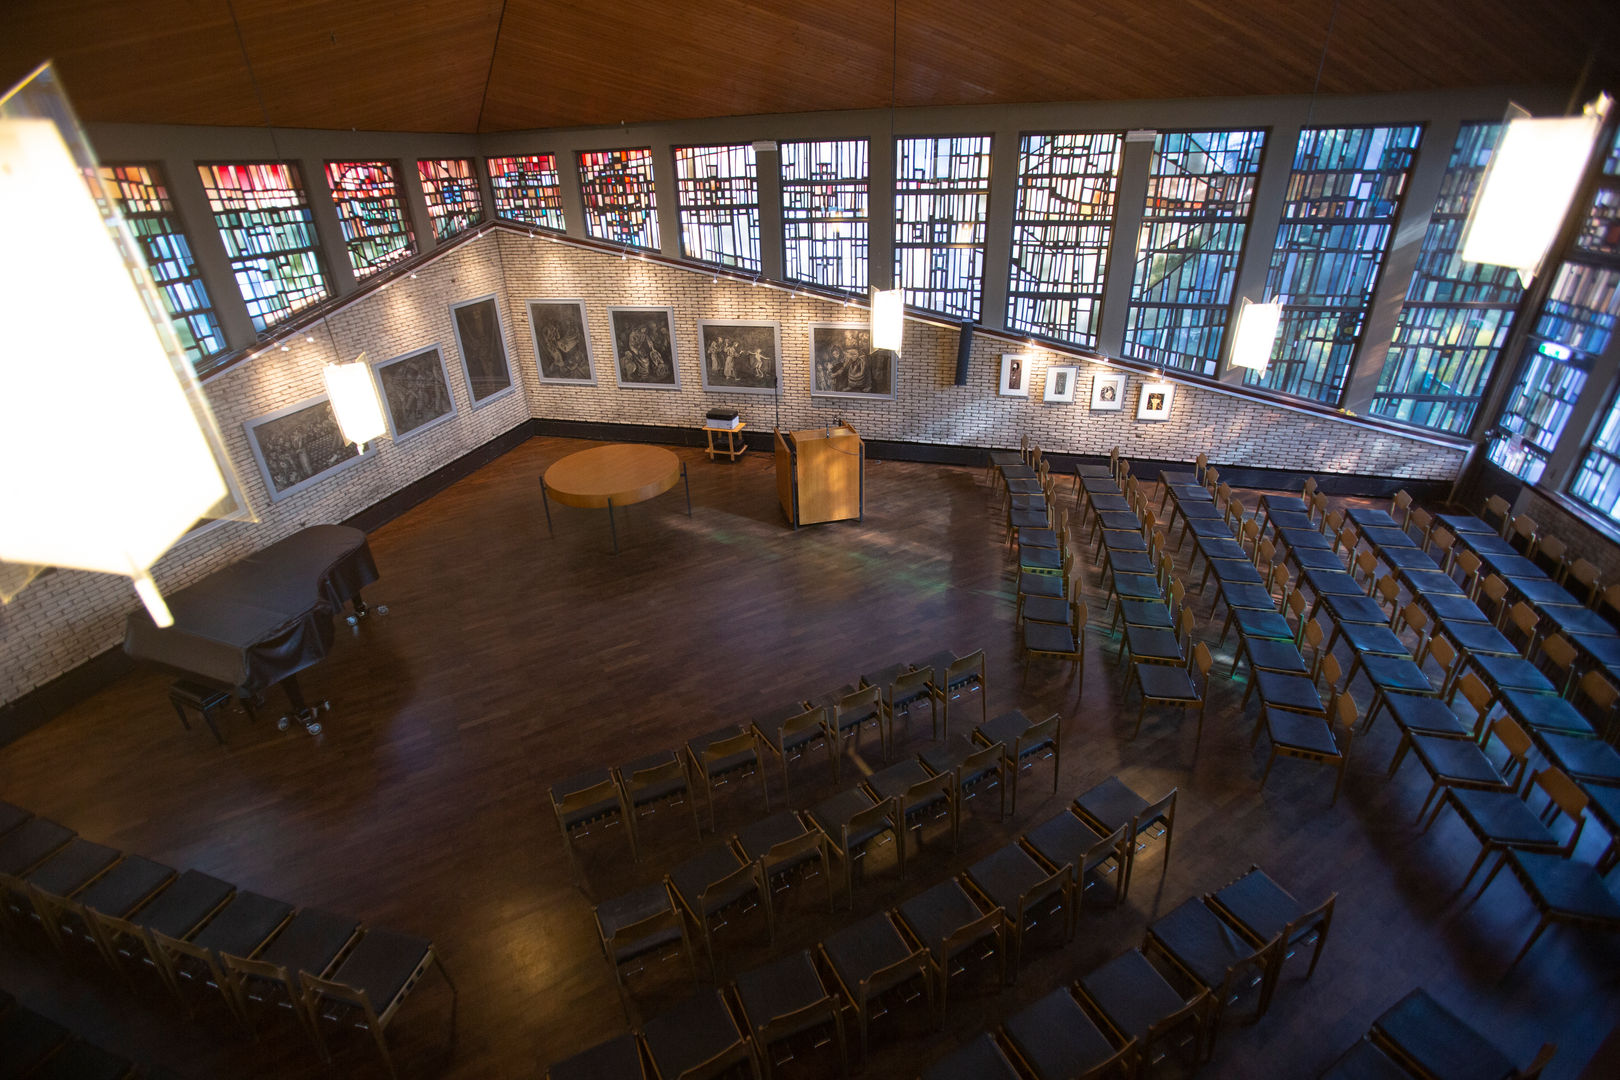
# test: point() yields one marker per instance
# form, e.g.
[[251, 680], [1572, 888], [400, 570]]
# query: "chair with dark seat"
[[921, 795], [650, 782], [1141, 1005], [1503, 820], [129, 884], [31, 843], [641, 925], [725, 754], [1055, 1039], [1155, 645], [71, 868], [27, 1039], [178, 911], [976, 768], [785, 847], [1320, 738], [314, 942], [956, 931], [1066, 840], [1207, 950], [980, 1058], [1265, 911], [1587, 760], [1023, 743], [698, 1039], [241, 928], [1061, 642], [850, 710], [960, 678], [1028, 894], [1463, 763], [1364, 1061], [585, 804], [792, 732], [713, 887], [617, 1059], [1110, 805], [909, 690], [1184, 686], [1428, 1039], [785, 1000], [854, 822], [1562, 890], [873, 961]]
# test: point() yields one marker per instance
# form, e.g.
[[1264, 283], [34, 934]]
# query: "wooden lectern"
[[820, 474]]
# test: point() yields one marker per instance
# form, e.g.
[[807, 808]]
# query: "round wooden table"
[[605, 477]]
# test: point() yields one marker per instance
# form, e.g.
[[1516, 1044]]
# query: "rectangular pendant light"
[[888, 319], [354, 401], [1255, 335]]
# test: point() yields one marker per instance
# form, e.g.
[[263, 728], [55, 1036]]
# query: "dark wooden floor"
[[510, 660]]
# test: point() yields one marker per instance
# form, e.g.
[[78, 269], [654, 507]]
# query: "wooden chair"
[[1110, 804], [650, 782], [964, 677], [314, 941], [1503, 820], [851, 711], [1463, 763], [785, 847], [1055, 1039], [1313, 738], [713, 886], [723, 755], [1027, 893], [872, 960], [910, 689], [698, 1039], [1562, 890], [785, 999], [1140, 1005], [1067, 642], [583, 805], [1426, 1039], [956, 931], [643, 924], [1067, 840], [241, 928], [790, 738], [853, 822], [1023, 743], [368, 988], [1266, 911], [1164, 684]]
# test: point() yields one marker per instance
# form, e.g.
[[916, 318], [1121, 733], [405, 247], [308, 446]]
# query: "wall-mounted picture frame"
[[843, 365], [1154, 402], [296, 446], [739, 356], [562, 342], [1014, 375], [415, 389], [644, 348], [1060, 381], [1108, 391], [481, 341]]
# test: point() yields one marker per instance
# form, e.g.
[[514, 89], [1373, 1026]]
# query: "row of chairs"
[[911, 952], [33, 1047], [1420, 1038], [195, 931]]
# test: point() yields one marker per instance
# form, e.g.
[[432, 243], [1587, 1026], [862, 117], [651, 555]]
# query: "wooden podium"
[[820, 474]]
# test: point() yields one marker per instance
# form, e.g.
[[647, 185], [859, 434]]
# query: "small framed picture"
[[1154, 404], [1108, 392], [1014, 375], [1060, 384]]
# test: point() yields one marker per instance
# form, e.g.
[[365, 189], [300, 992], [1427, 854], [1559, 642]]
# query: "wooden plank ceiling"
[[502, 65]]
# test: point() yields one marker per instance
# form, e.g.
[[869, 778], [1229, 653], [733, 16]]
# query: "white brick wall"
[[70, 617]]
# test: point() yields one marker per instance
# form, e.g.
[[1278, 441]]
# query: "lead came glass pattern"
[[621, 205], [717, 193], [1457, 314], [1199, 199], [941, 203], [1343, 196], [143, 199], [1062, 230], [450, 189], [825, 213], [527, 189], [269, 234], [375, 227], [1597, 482]]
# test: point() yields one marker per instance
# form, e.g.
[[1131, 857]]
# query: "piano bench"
[[205, 699]]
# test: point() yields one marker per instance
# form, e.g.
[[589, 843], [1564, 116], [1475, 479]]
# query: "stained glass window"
[[375, 227], [621, 205], [825, 213], [717, 193], [1343, 196], [1061, 232], [941, 203], [450, 189], [1457, 314], [143, 199], [1199, 198], [527, 189], [1597, 482], [269, 233]]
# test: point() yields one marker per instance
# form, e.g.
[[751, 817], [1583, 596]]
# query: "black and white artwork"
[[562, 344], [297, 445], [644, 347], [1014, 375], [842, 363], [740, 356], [1108, 391], [1060, 383], [481, 340], [1154, 404], [415, 390]]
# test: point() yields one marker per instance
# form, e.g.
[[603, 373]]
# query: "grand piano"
[[262, 619]]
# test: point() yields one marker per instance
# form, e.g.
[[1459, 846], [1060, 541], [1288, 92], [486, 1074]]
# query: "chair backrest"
[[1399, 504], [856, 708], [1309, 489], [1265, 551], [1566, 795], [1424, 522], [964, 666], [1277, 582], [1388, 590], [314, 989], [884, 812], [1344, 710], [1469, 563], [1585, 572], [924, 790], [1525, 528], [988, 760], [793, 851], [1498, 507], [1048, 732], [1313, 634], [1296, 603], [1495, 590], [1562, 654], [732, 745], [659, 775], [1444, 653], [990, 924], [1200, 463], [1479, 696], [1318, 504], [1599, 691], [910, 685], [1079, 616], [1367, 563], [240, 970], [574, 801], [1332, 523], [1162, 810], [1185, 627], [1525, 619], [1554, 549], [1250, 532], [1099, 852], [1611, 597], [1212, 477], [1347, 539], [1415, 617], [1177, 593], [1202, 661], [1513, 737], [1442, 541], [1329, 672]]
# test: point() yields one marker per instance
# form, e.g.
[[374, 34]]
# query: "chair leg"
[[1540, 926], [1269, 762]]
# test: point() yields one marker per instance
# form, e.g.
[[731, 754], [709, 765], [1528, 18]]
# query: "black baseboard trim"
[[419, 491]]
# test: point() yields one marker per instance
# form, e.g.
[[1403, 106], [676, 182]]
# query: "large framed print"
[[1108, 391], [1014, 375], [1060, 383], [294, 447], [644, 348], [843, 364], [481, 340], [562, 342], [740, 356], [1154, 404], [415, 391]]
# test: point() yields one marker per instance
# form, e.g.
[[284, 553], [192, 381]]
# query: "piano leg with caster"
[[305, 714], [361, 609]]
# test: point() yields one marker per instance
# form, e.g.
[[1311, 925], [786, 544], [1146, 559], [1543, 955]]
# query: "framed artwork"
[[297, 445], [1154, 404], [1014, 375], [562, 343], [415, 390], [1060, 383], [740, 356], [481, 340], [1108, 392], [843, 364], [644, 347]]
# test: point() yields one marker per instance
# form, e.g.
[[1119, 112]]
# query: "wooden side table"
[[734, 447]]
